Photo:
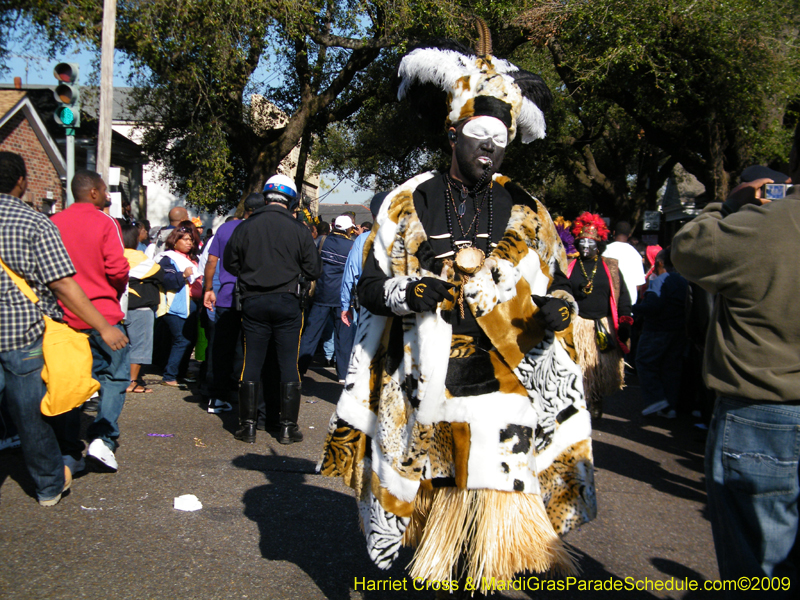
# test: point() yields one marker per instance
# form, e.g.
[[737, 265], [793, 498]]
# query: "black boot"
[[290, 410], [248, 395]]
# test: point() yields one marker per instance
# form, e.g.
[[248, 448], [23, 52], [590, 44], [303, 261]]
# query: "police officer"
[[268, 253]]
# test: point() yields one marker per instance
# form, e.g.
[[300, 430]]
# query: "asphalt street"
[[271, 528]]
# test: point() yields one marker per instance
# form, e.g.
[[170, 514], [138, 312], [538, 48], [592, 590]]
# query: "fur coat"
[[398, 434]]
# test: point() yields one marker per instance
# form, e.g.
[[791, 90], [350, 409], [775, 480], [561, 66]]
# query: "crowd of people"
[[146, 300], [476, 339]]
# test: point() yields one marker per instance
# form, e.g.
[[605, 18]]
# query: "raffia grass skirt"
[[481, 535], [603, 372]]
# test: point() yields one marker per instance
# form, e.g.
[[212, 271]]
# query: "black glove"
[[424, 295], [623, 332], [555, 312]]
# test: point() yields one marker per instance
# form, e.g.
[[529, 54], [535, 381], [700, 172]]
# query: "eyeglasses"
[[184, 230]]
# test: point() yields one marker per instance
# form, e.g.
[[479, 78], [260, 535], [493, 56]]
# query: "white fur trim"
[[394, 294], [530, 268], [400, 487], [427, 361], [387, 230]]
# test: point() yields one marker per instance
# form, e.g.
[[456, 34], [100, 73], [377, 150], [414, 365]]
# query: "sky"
[[38, 70]]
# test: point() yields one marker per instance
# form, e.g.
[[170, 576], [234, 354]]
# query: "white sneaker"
[[215, 405], [655, 407], [102, 454]]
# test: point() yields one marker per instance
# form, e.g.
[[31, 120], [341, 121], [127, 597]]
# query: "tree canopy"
[[195, 62], [639, 85]]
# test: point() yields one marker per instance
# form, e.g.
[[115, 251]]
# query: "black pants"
[[274, 317], [224, 353]]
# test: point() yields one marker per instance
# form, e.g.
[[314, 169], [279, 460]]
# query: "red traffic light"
[[66, 72]]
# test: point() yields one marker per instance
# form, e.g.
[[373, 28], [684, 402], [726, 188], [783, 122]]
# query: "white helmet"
[[281, 184]]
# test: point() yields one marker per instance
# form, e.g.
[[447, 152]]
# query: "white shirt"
[[630, 265]]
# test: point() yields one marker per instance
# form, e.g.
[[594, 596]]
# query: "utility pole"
[[106, 88]]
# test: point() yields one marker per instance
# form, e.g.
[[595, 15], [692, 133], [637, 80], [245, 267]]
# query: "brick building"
[[23, 132]]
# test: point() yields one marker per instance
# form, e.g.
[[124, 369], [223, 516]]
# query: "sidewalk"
[[270, 528]]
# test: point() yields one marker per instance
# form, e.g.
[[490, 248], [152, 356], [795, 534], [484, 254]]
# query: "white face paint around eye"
[[481, 128]]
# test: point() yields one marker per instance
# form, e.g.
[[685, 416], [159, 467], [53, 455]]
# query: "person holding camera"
[[741, 251], [268, 253]]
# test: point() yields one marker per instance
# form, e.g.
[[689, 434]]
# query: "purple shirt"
[[226, 280]]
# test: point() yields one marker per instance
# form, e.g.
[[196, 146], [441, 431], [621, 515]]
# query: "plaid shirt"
[[31, 246]]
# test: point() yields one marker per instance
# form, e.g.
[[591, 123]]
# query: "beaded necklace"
[[589, 286], [461, 209], [468, 258]]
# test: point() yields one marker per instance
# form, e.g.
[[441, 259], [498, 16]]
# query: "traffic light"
[[68, 112]]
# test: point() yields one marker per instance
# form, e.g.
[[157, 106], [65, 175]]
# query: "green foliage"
[[195, 61], [639, 85], [707, 82]]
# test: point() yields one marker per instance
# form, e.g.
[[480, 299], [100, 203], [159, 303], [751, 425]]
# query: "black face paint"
[[476, 156], [587, 248]]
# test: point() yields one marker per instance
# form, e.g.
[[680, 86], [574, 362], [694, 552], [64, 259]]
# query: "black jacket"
[[269, 251]]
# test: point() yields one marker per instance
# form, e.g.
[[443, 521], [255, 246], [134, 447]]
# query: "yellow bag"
[[67, 371]]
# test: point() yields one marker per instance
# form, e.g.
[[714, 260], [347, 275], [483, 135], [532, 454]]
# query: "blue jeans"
[[659, 362], [329, 344], [751, 465], [112, 368], [184, 335], [22, 390], [318, 319]]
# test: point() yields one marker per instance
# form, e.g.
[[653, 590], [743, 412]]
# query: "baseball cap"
[[343, 222]]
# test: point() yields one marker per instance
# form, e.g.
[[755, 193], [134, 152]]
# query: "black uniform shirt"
[[268, 252]]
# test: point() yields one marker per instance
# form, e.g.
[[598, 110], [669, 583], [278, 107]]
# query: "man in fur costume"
[[462, 426], [604, 325]]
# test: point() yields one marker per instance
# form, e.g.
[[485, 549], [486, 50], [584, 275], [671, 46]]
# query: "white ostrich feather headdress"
[[478, 85]]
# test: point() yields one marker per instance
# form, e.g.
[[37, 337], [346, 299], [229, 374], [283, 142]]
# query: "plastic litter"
[[161, 434], [187, 502]]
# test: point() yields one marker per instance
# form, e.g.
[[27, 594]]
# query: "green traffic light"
[[66, 116]]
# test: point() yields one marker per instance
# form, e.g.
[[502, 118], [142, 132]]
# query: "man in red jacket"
[[94, 243]]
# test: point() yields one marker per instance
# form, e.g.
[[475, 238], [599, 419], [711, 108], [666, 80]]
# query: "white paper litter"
[[187, 502]]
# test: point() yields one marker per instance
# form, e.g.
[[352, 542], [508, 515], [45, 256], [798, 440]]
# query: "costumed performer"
[[603, 326], [462, 426]]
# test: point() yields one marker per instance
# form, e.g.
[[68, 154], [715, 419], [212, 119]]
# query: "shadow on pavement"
[[328, 390], [640, 468], [12, 466], [314, 528]]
